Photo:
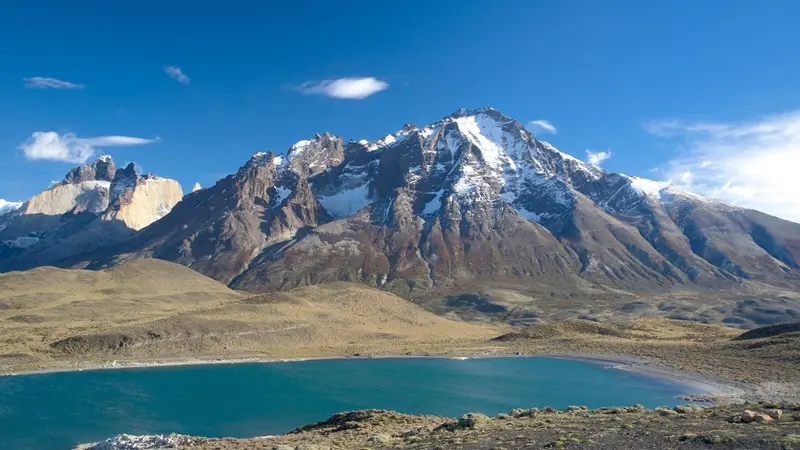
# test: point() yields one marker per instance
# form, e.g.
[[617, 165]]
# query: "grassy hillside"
[[153, 309]]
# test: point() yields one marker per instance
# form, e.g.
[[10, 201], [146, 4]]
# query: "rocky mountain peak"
[[127, 172], [253, 182], [261, 161], [408, 128], [105, 169], [310, 157], [122, 186], [102, 169], [126, 181], [464, 112], [95, 205]]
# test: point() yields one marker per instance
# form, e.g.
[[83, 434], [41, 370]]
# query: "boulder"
[[474, 420], [517, 413], [127, 441], [748, 416], [736, 418], [752, 416], [414, 432], [763, 418], [775, 413], [666, 412], [688, 409]]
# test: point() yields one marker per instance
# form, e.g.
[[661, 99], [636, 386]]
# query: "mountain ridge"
[[472, 198]]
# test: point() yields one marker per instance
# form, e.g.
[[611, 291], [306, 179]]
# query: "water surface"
[[60, 410]]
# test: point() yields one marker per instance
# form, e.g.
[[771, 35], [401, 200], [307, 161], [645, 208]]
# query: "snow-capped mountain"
[[95, 205], [473, 198], [7, 207]]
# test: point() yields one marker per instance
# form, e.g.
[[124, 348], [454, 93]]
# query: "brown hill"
[[154, 310], [642, 329], [783, 330]]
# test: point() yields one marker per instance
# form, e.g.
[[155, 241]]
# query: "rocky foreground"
[[762, 425]]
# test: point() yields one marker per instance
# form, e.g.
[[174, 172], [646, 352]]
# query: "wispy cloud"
[[753, 164], [50, 83], [542, 126], [597, 158], [177, 74], [116, 141], [49, 145], [349, 88]]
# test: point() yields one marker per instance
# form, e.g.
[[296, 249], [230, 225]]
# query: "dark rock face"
[[472, 198], [316, 155], [103, 169], [220, 230], [122, 186]]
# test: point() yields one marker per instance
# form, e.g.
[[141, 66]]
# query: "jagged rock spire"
[[102, 169], [310, 157]]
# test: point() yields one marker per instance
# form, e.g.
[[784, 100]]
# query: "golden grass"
[[154, 310]]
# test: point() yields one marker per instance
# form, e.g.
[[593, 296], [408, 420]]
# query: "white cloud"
[[597, 158], [116, 141], [752, 164], [50, 83], [541, 125], [351, 88], [177, 74], [49, 145]]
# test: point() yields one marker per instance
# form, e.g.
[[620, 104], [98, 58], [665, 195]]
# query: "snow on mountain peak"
[[473, 156], [673, 194], [6, 206], [390, 139], [480, 155], [299, 146], [647, 187], [262, 159], [463, 112]]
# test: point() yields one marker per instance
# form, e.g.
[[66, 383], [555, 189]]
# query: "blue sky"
[[693, 92]]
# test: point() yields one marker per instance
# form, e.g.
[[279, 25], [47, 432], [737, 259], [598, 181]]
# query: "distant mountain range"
[[472, 199], [95, 206]]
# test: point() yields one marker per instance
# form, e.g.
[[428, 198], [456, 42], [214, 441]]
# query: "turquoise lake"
[[60, 410]]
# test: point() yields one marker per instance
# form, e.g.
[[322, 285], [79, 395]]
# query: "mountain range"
[[95, 206], [471, 201]]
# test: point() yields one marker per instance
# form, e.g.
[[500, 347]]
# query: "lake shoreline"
[[719, 388], [680, 426]]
